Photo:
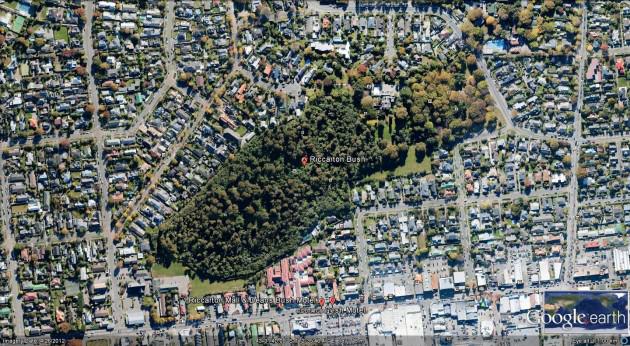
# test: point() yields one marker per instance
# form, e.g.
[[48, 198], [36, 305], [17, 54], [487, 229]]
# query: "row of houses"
[[605, 98], [46, 85], [512, 164], [128, 62], [519, 243], [202, 44], [539, 90], [54, 190], [64, 286]]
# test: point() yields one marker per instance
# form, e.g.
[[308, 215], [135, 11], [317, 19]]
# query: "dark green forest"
[[260, 203], [263, 201]]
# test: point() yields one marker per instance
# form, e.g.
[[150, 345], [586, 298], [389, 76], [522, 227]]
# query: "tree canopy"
[[260, 204]]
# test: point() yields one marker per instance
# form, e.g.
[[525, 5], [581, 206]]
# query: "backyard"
[[62, 34]]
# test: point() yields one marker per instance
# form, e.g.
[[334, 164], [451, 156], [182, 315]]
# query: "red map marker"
[[332, 300], [304, 160], [322, 301]]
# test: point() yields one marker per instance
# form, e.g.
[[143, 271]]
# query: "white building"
[[403, 322], [135, 318], [621, 259]]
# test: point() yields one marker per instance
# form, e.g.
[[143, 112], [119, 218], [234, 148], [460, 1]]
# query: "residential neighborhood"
[[203, 40], [54, 191], [540, 92], [128, 59], [64, 287], [507, 165], [502, 170], [44, 77]]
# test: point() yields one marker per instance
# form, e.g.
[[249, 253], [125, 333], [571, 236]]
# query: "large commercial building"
[[400, 326]]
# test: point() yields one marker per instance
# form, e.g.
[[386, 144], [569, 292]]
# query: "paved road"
[[469, 266], [167, 35], [318, 8], [98, 136], [362, 247], [170, 79], [582, 57], [118, 306], [234, 33], [169, 156], [390, 50], [9, 244], [499, 100], [540, 193], [500, 103], [576, 141], [88, 48]]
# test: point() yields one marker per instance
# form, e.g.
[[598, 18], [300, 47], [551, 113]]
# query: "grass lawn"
[[98, 342], [198, 288], [410, 167], [378, 176], [623, 82], [369, 222], [241, 130], [74, 195], [12, 4], [41, 15], [173, 270], [387, 135], [62, 34]]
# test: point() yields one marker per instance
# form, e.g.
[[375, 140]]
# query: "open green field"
[[387, 134], [173, 270], [378, 176], [198, 287], [62, 34], [411, 166]]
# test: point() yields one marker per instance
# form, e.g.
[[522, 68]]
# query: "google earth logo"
[[577, 312]]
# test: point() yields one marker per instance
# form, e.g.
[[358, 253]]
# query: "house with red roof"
[[288, 293], [620, 66], [594, 71], [292, 273], [284, 267]]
